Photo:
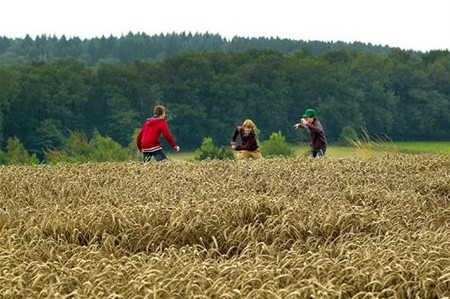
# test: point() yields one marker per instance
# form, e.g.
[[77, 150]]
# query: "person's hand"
[[177, 148], [305, 122], [296, 126], [233, 145]]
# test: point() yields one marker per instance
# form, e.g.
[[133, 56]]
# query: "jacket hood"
[[154, 120]]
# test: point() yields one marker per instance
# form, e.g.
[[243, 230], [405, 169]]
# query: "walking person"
[[317, 139], [249, 146], [148, 141]]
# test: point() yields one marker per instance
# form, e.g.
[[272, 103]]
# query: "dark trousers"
[[159, 156], [317, 153]]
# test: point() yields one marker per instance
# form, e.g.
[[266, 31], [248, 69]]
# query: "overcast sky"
[[408, 24]]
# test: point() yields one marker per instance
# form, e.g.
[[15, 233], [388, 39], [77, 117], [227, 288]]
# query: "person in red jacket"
[[148, 142]]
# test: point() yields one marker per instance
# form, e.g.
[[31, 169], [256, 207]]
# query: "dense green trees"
[[140, 46], [8, 92], [402, 94]]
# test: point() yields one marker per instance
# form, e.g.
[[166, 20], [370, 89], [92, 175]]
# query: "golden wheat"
[[365, 227]]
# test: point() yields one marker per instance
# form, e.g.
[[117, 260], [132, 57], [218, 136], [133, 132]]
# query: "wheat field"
[[360, 227]]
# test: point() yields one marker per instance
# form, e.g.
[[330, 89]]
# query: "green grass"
[[335, 151], [442, 147], [180, 156], [386, 147], [375, 149]]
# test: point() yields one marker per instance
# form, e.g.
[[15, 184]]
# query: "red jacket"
[[148, 138]]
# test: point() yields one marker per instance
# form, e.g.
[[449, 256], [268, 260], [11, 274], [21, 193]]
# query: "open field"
[[352, 227], [421, 147], [375, 149]]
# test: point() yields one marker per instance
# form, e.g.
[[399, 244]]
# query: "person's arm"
[[233, 138], [168, 136], [314, 127], [235, 134], [139, 140], [302, 123]]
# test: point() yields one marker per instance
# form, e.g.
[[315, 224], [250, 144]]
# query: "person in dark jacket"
[[317, 139], [148, 141], [249, 146]]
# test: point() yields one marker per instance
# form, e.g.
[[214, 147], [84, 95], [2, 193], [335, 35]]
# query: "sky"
[[420, 25]]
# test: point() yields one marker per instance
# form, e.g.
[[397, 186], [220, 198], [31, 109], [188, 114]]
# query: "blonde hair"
[[159, 110], [249, 124]]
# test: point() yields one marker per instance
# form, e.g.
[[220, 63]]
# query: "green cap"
[[309, 113]]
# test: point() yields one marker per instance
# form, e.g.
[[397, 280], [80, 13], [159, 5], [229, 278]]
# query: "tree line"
[[125, 49], [400, 94]]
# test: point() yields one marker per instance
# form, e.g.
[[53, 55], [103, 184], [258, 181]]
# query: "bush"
[[78, 149], [104, 148], [347, 136], [209, 151], [17, 154], [277, 146]]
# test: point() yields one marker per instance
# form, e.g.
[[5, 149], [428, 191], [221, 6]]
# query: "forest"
[[211, 87], [126, 49]]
